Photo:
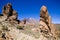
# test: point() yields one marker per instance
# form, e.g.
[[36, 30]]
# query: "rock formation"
[[9, 13], [10, 26], [45, 18], [7, 10], [46, 22]]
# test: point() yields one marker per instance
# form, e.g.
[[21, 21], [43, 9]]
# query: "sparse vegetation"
[[28, 29], [4, 28], [20, 27]]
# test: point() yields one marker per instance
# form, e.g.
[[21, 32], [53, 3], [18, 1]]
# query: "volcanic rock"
[[11, 15], [46, 22]]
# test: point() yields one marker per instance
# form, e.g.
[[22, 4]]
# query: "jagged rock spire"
[[7, 10], [43, 8], [46, 22], [44, 15]]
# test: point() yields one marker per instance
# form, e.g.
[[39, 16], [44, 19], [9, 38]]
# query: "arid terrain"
[[11, 28], [57, 26]]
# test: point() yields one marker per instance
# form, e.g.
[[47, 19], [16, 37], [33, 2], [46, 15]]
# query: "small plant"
[[20, 27], [4, 28]]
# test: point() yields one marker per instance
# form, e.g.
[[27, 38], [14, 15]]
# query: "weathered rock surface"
[[46, 22], [9, 24], [10, 13]]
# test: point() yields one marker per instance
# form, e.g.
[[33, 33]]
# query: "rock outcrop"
[[44, 17], [10, 26], [7, 10], [46, 25], [10, 13]]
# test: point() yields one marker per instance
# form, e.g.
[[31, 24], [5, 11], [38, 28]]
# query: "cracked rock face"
[[9, 24], [44, 17], [9, 12], [45, 22]]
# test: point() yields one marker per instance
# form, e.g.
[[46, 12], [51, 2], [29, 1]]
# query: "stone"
[[44, 17], [7, 10], [8, 36], [21, 24], [2, 39], [35, 29], [14, 16], [45, 31], [10, 13], [46, 25]]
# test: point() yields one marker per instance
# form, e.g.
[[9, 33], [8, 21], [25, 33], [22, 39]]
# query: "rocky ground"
[[29, 29], [12, 33]]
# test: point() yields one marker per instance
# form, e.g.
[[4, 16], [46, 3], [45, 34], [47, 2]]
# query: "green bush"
[[20, 27]]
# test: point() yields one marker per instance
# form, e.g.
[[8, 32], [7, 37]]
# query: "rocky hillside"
[[57, 26], [29, 29]]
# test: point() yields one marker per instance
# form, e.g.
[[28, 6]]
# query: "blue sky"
[[31, 8]]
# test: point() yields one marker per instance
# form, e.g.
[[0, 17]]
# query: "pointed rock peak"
[[44, 8], [9, 4]]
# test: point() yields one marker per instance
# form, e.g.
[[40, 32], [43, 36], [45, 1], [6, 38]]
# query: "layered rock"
[[7, 10], [44, 16], [46, 22], [9, 29], [10, 13]]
